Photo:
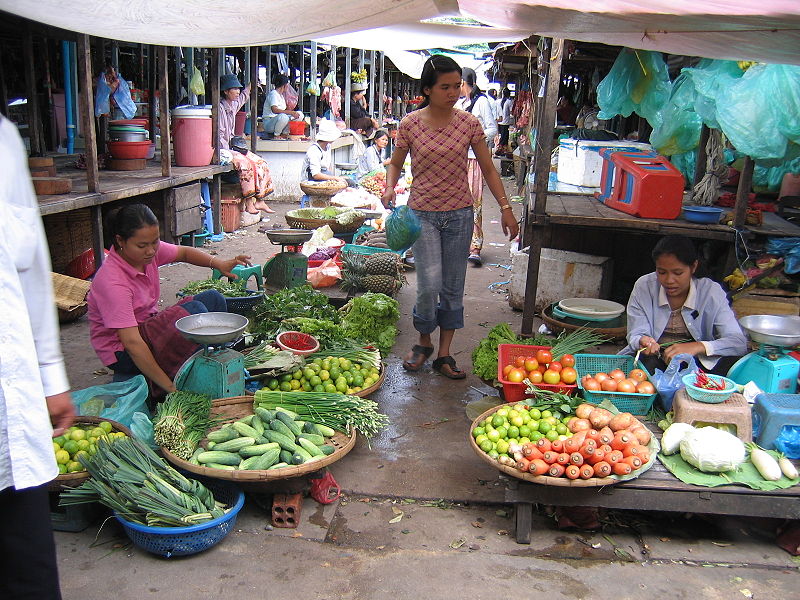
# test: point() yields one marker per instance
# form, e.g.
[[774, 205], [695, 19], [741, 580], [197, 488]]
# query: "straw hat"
[[328, 131]]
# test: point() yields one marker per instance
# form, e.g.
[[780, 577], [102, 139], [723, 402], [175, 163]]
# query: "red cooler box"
[[640, 183]]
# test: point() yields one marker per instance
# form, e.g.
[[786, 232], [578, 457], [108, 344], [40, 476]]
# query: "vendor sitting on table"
[[318, 162], [671, 305], [126, 330], [275, 116]]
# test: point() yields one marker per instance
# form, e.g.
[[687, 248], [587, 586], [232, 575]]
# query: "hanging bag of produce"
[[402, 229], [669, 381], [196, 85]]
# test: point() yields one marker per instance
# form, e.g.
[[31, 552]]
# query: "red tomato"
[[544, 357], [506, 369], [638, 375], [555, 366], [516, 375], [541, 368], [535, 376], [567, 360], [591, 384], [551, 377], [617, 374], [519, 362], [609, 385], [600, 377], [645, 387], [569, 375], [626, 386], [531, 364]]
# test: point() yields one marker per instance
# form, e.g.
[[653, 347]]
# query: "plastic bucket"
[[239, 122], [192, 141], [297, 127]]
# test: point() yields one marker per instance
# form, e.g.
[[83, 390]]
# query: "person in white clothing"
[[34, 391], [318, 162], [504, 121], [376, 155], [474, 101], [275, 117]]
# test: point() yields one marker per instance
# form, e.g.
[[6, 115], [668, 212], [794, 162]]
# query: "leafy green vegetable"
[[484, 357], [328, 334], [230, 289], [301, 301], [372, 318]]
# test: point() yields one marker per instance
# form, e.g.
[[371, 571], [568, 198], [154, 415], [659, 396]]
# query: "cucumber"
[[249, 464], [246, 420], [286, 456], [235, 445], [282, 428], [266, 460], [291, 413], [302, 452], [289, 422], [210, 445], [327, 450], [222, 435], [195, 454], [219, 466], [279, 465], [310, 447], [257, 450], [325, 431], [298, 459], [309, 427], [245, 430], [285, 442], [265, 415], [257, 424], [318, 440], [216, 456]]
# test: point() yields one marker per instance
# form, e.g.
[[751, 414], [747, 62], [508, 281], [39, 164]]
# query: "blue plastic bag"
[[668, 382], [122, 97], [789, 248], [638, 82], [116, 401], [142, 429], [788, 441], [402, 229]]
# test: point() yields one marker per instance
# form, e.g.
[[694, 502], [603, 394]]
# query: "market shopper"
[[33, 383], [126, 330], [504, 122], [360, 121], [438, 135], [474, 101], [671, 305], [376, 156], [275, 116]]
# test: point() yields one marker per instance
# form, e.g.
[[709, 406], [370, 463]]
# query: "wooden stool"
[[734, 411]]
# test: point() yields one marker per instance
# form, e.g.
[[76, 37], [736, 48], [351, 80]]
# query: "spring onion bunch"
[[577, 341], [354, 352], [259, 354], [182, 420], [132, 480], [338, 411]]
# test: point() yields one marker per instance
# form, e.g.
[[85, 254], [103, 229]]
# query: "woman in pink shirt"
[[127, 332], [438, 136]]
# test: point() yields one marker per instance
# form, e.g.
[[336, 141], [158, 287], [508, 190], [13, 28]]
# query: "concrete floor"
[[455, 537]]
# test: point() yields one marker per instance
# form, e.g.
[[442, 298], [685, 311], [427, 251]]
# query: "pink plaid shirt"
[[439, 160]]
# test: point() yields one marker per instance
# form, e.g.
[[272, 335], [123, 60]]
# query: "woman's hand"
[[62, 412], [649, 345], [693, 348], [509, 223], [388, 198], [226, 266]]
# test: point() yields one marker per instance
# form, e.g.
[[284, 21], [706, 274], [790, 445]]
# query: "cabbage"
[[671, 440], [712, 450]]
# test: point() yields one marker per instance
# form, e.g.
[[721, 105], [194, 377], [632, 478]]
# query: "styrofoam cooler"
[[580, 163]]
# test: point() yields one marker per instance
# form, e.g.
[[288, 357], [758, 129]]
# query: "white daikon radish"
[[788, 468], [763, 461]]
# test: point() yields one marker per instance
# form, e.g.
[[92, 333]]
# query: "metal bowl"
[[782, 331], [127, 136], [212, 328], [591, 308], [289, 236]]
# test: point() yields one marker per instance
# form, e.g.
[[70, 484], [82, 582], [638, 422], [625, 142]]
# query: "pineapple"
[[382, 263], [351, 282], [384, 284]]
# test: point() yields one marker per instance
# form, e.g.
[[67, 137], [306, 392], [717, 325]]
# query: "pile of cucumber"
[[266, 440]]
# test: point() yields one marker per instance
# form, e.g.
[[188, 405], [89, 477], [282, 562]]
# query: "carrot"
[[606, 448], [572, 471], [530, 451], [621, 468], [579, 437], [598, 456], [606, 435], [587, 471], [602, 469], [614, 456], [556, 470], [593, 434], [523, 464], [634, 461], [549, 457], [557, 446], [621, 439], [543, 444], [538, 467], [644, 456], [631, 449], [571, 445], [563, 459], [576, 458]]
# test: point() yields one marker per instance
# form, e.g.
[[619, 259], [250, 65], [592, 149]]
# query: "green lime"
[[297, 373], [475, 432], [536, 436], [512, 413], [502, 446], [486, 445], [273, 384], [498, 420], [326, 365], [358, 380], [62, 468], [480, 438], [493, 435], [552, 435], [77, 435], [74, 467], [335, 371], [286, 377], [546, 413], [513, 431], [561, 429], [493, 454], [71, 446], [341, 386], [349, 377], [346, 364], [294, 384], [502, 432], [317, 361], [544, 426], [503, 412], [324, 375], [517, 421], [84, 444], [535, 414], [315, 380], [308, 373], [524, 440], [285, 386], [306, 386], [534, 425], [62, 457], [330, 388]]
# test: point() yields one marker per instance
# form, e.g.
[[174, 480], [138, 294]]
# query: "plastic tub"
[[191, 130], [702, 214], [128, 150], [709, 396], [515, 392], [297, 127]]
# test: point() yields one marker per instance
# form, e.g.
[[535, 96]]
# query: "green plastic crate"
[[636, 404], [367, 250]]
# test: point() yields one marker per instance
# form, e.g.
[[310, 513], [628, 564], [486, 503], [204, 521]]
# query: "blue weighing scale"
[[770, 367], [216, 370]]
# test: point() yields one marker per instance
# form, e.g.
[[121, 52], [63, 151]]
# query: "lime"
[[561, 429], [517, 421], [502, 446], [62, 457], [297, 373], [493, 453], [62, 469], [493, 435], [92, 450], [56, 447], [498, 421], [346, 364], [480, 438], [358, 380], [503, 412], [294, 384], [524, 440], [80, 453], [308, 373], [330, 388], [341, 386], [502, 432], [534, 425], [349, 377], [84, 444], [78, 434], [306, 386], [319, 388], [326, 365], [317, 361], [315, 380], [315, 367], [512, 413], [59, 440], [552, 420], [535, 414], [546, 413], [335, 372], [567, 419], [552, 435], [526, 418], [71, 446], [324, 375], [544, 426], [525, 431], [512, 441], [536, 436], [513, 431], [486, 445], [285, 386], [74, 467], [273, 384]]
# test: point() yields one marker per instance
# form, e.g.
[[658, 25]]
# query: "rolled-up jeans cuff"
[[451, 319], [423, 325]]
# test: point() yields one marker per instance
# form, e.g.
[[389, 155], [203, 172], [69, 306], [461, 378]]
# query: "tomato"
[[544, 357], [638, 375], [516, 375], [568, 360], [645, 387], [569, 375], [541, 368], [626, 386], [551, 377], [555, 366], [600, 377], [617, 374], [591, 384], [519, 362], [535, 376], [506, 369], [609, 385], [531, 364]]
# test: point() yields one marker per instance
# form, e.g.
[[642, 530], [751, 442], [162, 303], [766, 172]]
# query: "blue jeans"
[[278, 125], [440, 259]]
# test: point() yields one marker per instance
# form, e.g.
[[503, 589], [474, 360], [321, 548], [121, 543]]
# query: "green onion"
[[258, 354], [182, 420], [576, 341]]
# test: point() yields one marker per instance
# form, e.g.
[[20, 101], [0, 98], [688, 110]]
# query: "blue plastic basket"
[[637, 404], [709, 396], [182, 541]]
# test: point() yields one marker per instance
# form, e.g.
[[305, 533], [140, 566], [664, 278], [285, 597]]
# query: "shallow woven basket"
[[301, 223], [546, 479], [322, 190], [232, 409], [70, 296]]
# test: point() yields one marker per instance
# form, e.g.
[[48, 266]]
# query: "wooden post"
[[85, 99], [553, 53], [215, 191], [253, 98], [3, 90], [743, 191], [348, 68], [163, 111], [97, 235], [700, 161], [312, 75], [269, 68], [34, 119], [189, 58], [381, 87], [214, 75]]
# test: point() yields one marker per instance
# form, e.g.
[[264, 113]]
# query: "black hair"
[[506, 94], [126, 221], [379, 133], [680, 246], [280, 80], [436, 65], [471, 79]]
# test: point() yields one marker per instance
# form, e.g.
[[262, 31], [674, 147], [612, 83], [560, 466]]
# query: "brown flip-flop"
[[453, 372], [419, 354]]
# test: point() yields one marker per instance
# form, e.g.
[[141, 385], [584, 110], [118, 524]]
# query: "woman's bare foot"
[[261, 205], [249, 206]]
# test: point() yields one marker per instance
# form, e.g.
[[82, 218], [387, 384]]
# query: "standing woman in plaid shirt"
[[438, 135]]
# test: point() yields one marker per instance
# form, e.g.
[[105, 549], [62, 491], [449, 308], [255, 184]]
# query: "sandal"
[[452, 372], [419, 354]]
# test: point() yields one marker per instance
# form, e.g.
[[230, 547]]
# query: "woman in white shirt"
[[275, 117], [504, 121], [375, 156], [476, 102]]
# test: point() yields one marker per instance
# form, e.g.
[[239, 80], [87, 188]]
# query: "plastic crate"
[[182, 541], [709, 396], [637, 404], [771, 414], [241, 305], [359, 249], [514, 392]]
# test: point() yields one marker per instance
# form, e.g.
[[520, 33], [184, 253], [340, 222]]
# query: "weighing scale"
[[289, 267], [216, 370], [770, 367]]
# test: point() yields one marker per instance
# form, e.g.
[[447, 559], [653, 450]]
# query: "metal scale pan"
[[212, 328], [779, 331], [769, 367]]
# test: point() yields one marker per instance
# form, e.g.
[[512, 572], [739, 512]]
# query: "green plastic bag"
[[638, 82], [116, 401], [402, 229], [196, 85], [678, 127]]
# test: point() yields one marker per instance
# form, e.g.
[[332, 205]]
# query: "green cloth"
[[745, 474]]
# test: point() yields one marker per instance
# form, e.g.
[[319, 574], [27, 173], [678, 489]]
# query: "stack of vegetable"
[[230, 289], [182, 420], [301, 301], [132, 480], [350, 372], [379, 273], [343, 216], [372, 319]]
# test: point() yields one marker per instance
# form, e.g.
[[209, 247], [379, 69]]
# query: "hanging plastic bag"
[[402, 229], [678, 127], [670, 381], [116, 401], [196, 85], [325, 275], [330, 80], [312, 88], [291, 97], [638, 82]]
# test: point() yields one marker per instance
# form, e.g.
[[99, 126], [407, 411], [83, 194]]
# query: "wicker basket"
[[301, 223], [331, 188], [70, 296]]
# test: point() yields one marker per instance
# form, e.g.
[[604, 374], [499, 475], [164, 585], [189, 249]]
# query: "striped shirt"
[[227, 117]]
